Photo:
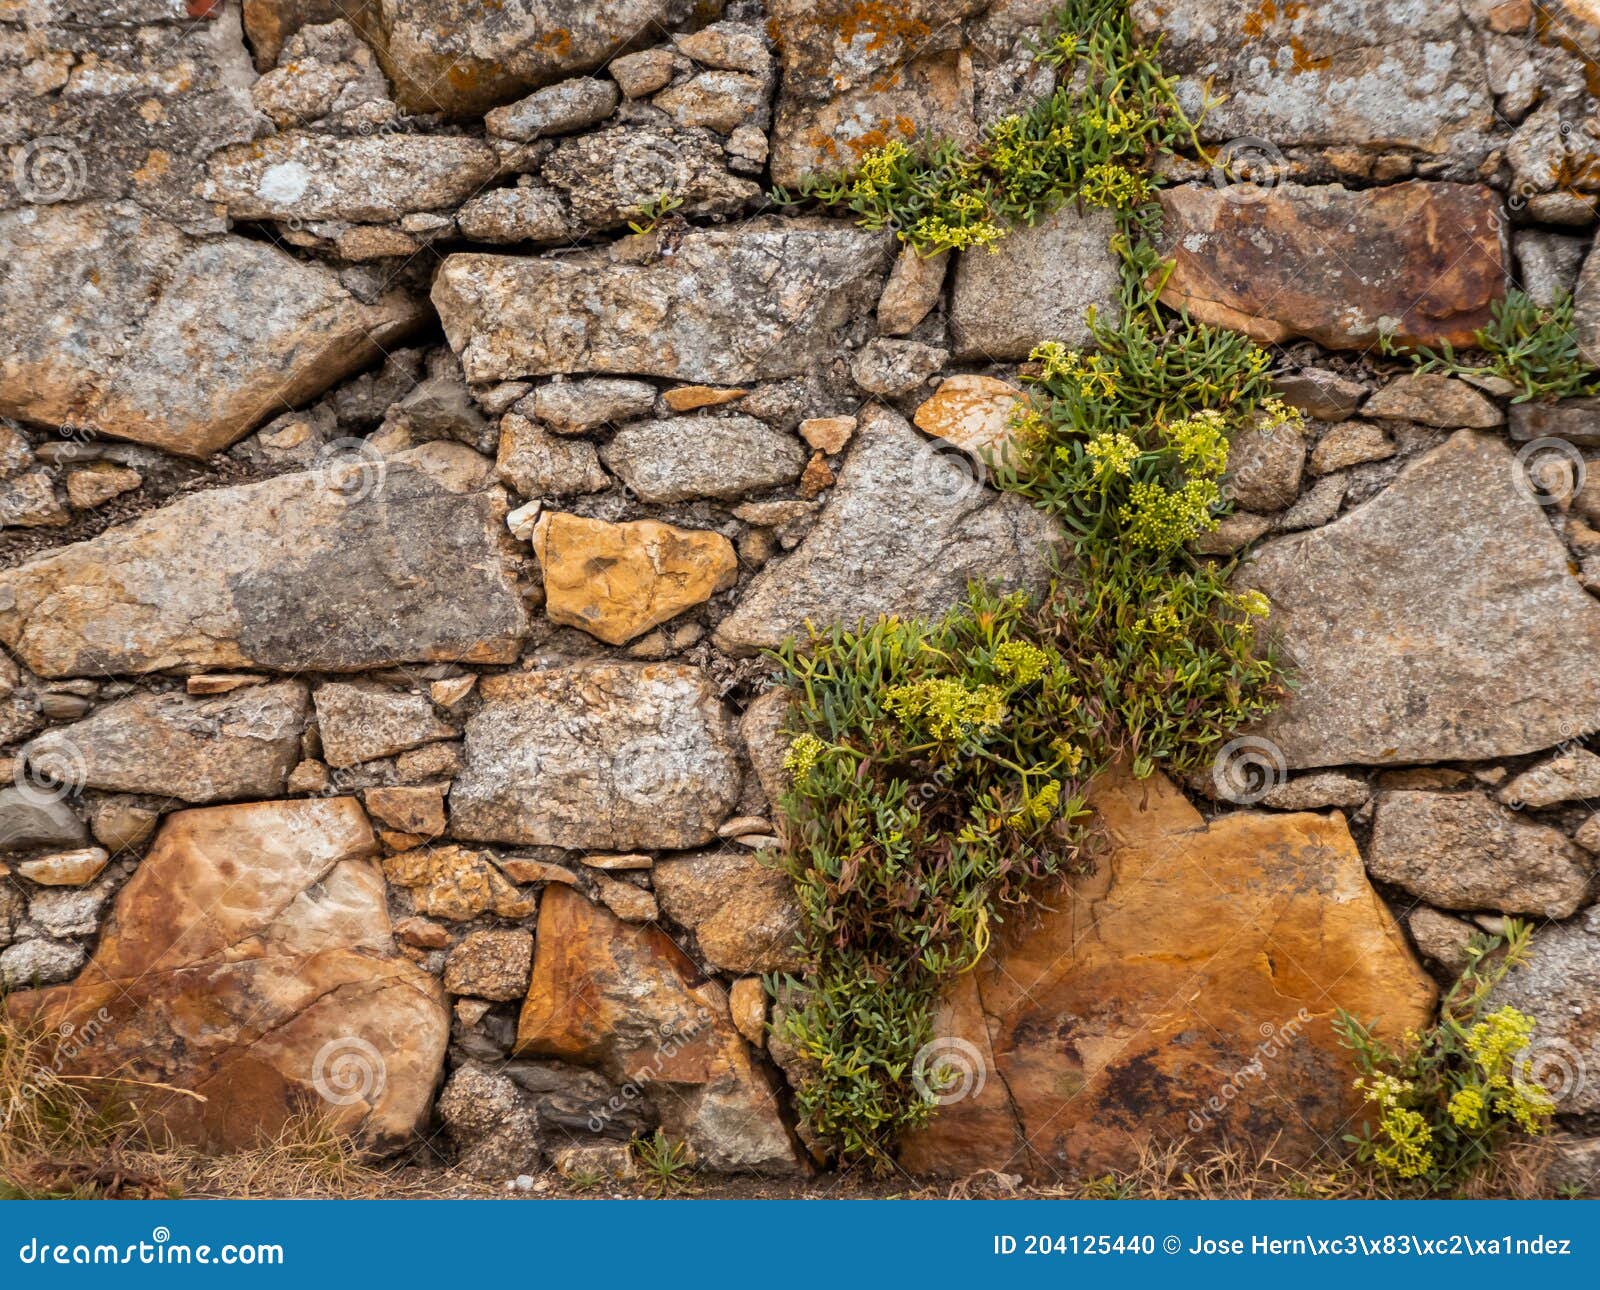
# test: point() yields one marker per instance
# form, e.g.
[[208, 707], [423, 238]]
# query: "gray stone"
[[1372, 73], [1452, 562], [538, 464], [1318, 791], [1586, 309], [39, 962], [1560, 987], [371, 179], [526, 213], [732, 46], [492, 963], [32, 817], [572, 407], [728, 306], [363, 720], [1568, 776], [28, 501], [1574, 1163], [907, 526], [717, 100], [403, 559], [1036, 284], [604, 756], [1575, 420], [608, 175], [237, 745], [1463, 851], [490, 1122], [1441, 938], [71, 911], [1349, 444], [1319, 393], [556, 109], [188, 345], [678, 458], [1433, 400], [892, 367], [914, 287], [1549, 263], [642, 73], [1265, 463]]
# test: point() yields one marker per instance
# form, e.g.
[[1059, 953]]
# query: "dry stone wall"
[[388, 535]]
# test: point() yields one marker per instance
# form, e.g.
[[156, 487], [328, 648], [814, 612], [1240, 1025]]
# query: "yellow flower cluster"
[[1116, 187], [1496, 1045], [877, 169], [937, 234], [1468, 1109], [1112, 454], [802, 755], [1037, 809], [1094, 374], [1253, 603], [945, 707], [1021, 662], [1159, 518], [1406, 1154], [1201, 441], [1162, 622]]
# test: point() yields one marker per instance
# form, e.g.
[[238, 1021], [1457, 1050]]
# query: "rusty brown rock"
[[742, 911], [972, 412], [1185, 988], [250, 960], [1422, 260]]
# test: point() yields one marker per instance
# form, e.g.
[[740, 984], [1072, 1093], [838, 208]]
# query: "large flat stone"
[[1422, 260], [907, 527], [1379, 74], [1184, 989], [249, 960], [627, 1001], [359, 565], [119, 322], [1408, 621], [229, 746], [728, 306], [603, 756]]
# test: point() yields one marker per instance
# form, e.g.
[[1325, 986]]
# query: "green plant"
[[1447, 1099], [1090, 141], [666, 1164], [1531, 345], [648, 214]]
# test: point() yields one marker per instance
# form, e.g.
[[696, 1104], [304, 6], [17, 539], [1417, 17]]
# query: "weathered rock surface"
[[456, 883], [1422, 260], [617, 581], [608, 175], [906, 528], [625, 1000], [678, 458], [187, 346], [1568, 776], [742, 911], [557, 109], [972, 412], [1368, 73], [490, 1122], [237, 745], [1463, 851], [571, 407], [1186, 988], [1265, 465], [538, 464], [1432, 399], [492, 963], [729, 306], [31, 819], [1407, 621], [1036, 284], [1560, 987], [604, 757], [363, 720], [393, 560], [249, 959]]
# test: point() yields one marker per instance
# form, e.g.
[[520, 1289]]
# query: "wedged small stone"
[[717, 100], [571, 407], [1558, 987], [747, 1001], [207, 683], [30, 819], [628, 860], [1317, 505], [905, 530], [1036, 284], [1318, 791], [372, 179], [1463, 851], [1433, 400], [914, 286], [267, 920], [39, 962], [733, 46], [1548, 264], [490, 1122], [742, 912], [1233, 533], [891, 367], [616, 581], [1441, 938], [456, 883], [29, 501], [1320, 394], [972, 412], [1423, 261], [491, 964], [65, 868], [1265, 463], [729, 306], [431, 761], [1349, 444], [689, 398], [642, 73], [601, 757], [625, 1000], [630, 903], [1451, 561], [525, 213], [121, 823], [556, 109], [679, 458], [1575, 420], [198, 749], [527, 869], [98, 482], [1566, 777], [608, 175], [363, 720], [413, 809], [828, 434], [538, 464]]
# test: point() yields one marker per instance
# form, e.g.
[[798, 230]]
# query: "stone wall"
[[389, 534]]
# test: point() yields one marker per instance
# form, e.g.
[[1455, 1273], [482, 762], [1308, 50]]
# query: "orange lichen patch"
[[881, 21], [1256, 24], [559, 42], [156, 164], [1304, 59], [879, 135]]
